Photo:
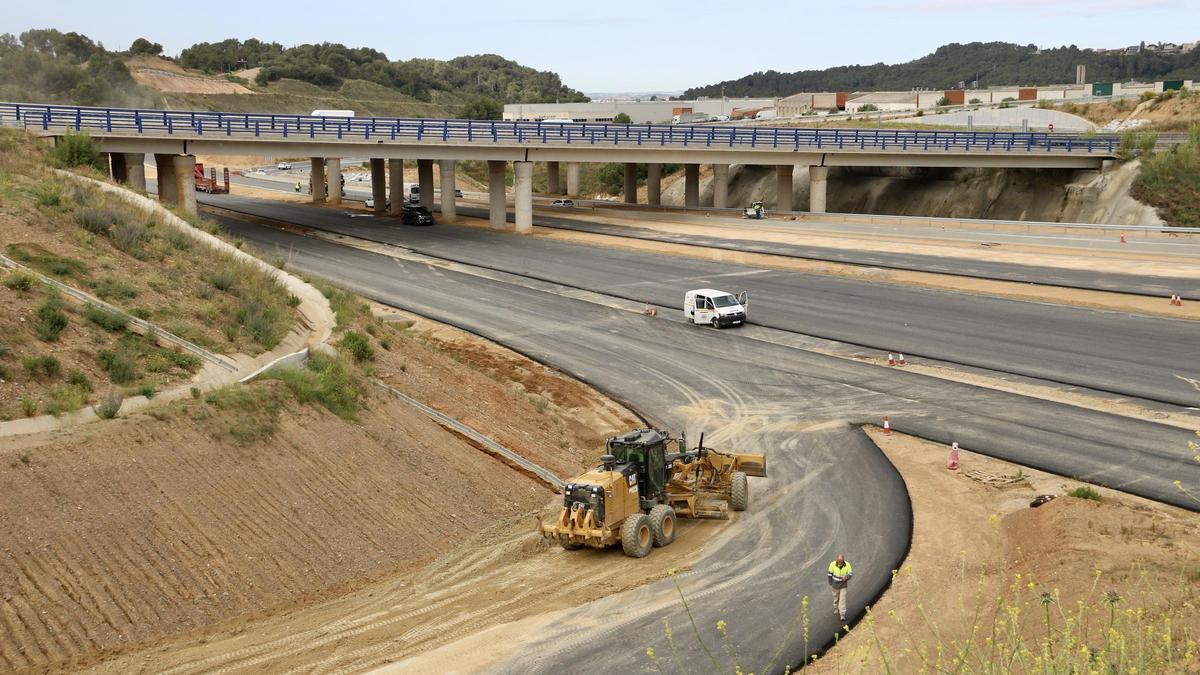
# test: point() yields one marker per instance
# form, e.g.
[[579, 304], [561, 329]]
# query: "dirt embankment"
[[213, 514], [982, 560], [1003, 194]]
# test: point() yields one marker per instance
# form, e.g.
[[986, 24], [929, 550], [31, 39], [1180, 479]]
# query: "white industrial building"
[[640, 112]]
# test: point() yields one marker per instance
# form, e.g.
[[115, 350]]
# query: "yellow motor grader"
[[644, 481]]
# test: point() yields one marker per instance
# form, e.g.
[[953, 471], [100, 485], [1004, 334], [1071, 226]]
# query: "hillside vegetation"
[[990, 63]]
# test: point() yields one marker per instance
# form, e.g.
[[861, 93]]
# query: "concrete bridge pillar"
[[185, 183], [783, 187], [379, 185], [135, 171], [425, 182], [720, 186], [654, 184], [449, 203], [553, 179], [691, 185], [396, 186], [116, 164], [167, 188], [316, 180], [573, 179], [333, 172], [818, 180], [523, 196], [630, 183], [497, 208]]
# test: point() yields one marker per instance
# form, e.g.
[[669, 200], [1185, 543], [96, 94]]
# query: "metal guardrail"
[[202, 124], [147, 327]]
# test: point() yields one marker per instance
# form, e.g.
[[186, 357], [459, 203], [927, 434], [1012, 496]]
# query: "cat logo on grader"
[[644, 481]]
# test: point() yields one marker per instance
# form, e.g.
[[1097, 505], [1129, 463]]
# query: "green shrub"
[[109, 320], [1085, 492], [29, 406], [79, 150], [974, 101], [260, 321], [869, 107], [97, 220], [114, 289], [141, 313], [943, 102], [254, 410], [46, 366], [130, 238], [48, 195], [146, 390], [119, 364], [178, 240], [357, 345], [109, 407], [224, 278], [184, 360], [62, 399], [76, 378], [46, 262], [20, 280], [51, 320], [324, 380]]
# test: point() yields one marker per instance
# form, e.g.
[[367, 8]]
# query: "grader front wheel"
[[662, 524], [636, 536], [739, 491]]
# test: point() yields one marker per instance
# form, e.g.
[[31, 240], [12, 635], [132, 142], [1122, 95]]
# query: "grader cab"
[[645, 480]]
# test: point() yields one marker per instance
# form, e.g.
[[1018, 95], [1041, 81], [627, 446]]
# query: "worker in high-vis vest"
[[839, 577]]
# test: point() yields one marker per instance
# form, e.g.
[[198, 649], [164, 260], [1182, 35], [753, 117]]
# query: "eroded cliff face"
[[1004, 194]]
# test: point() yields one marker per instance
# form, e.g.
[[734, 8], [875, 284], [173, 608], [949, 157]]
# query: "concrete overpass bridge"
[[175, 137]]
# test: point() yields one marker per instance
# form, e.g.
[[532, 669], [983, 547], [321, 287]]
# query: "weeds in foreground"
[[1085, 492], [326, 381], [51, 320]]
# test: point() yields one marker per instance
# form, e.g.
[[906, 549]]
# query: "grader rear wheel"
[[662, 524], [739, 491], [636, 536]]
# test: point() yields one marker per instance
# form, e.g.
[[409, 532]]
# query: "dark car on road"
[[416, 215]]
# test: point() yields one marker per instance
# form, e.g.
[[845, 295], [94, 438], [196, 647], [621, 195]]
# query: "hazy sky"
[[629, 46]]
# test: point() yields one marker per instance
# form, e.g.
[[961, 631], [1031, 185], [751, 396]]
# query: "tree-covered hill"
[[990, 63]]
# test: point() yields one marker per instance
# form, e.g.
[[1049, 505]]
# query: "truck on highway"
[[710, 307], [689, 118], [333, 113]]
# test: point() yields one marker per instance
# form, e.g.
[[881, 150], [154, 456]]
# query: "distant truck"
[[689, 118], [333, 113], [768, 114]]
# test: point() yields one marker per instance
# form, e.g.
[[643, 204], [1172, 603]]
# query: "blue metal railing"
[[191, 124]]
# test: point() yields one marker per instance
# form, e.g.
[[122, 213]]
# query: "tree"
[[868, 107], [482, 108], [144, 46], [943, 101], [621, 118], [612, 178]]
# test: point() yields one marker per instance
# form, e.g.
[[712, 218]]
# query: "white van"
[[710, 307]]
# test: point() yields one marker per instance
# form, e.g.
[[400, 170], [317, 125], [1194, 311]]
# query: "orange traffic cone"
[[900, 361], [887, 426], [952, 463], [891, 359], [1176, 300], [1122, 237]]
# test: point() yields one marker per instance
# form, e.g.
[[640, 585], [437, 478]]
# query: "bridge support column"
[[818, 180], [396, 186], [425, 182], [167, 188], [630, 183], [497, 208], [185, 183], [317, 184], [654, 184], [573, 179], [449, 203], [783, 187], [691, 185], [135, 172], [379, 185], [334, 180], [116, 164], [523, 196], [553, 179], [720, 186]]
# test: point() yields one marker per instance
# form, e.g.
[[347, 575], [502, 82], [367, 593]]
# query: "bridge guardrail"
[[202, 124]]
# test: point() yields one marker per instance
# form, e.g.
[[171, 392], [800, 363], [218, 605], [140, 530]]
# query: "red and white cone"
[[900, 361], [887, 426], [952, 462], [892, 358], [1176, 300], [1122, 237]]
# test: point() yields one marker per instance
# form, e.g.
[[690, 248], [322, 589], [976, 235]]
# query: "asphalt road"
[[1146, 357], [830, 490]]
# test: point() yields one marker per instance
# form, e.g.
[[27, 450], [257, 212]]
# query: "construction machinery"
[[754, 211], [644, 481]]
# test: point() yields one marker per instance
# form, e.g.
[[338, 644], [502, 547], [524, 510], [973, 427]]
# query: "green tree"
[[621, 118], [144, 46], [481, 108]]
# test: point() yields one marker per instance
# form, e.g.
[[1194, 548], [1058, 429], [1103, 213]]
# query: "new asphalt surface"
[[829, 491]]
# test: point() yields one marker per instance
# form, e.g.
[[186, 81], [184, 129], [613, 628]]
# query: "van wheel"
[[636, 537], [662, 524], [715, 323]]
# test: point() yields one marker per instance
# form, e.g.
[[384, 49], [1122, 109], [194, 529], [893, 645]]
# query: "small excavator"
[[644, 481]]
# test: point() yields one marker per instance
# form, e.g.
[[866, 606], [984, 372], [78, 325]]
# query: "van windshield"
[[725, 301]]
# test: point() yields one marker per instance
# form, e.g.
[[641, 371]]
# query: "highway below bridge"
[[830, 490]]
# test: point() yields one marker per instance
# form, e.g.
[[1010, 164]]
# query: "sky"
[[629, 46]]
